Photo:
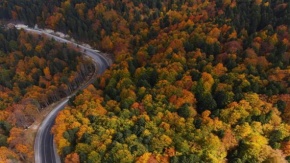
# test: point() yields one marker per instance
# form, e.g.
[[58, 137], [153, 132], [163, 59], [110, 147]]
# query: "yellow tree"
[[207, 80]]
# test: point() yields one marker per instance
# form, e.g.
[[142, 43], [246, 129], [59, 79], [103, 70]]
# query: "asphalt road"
[[44, 146]]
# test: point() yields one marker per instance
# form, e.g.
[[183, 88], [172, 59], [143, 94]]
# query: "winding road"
[[44, 146]]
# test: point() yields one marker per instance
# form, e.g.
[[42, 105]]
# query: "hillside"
[[35, 72], [193, 80]]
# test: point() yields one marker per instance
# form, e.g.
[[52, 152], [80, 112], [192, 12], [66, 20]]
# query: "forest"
[[192, 80], [35, 72]]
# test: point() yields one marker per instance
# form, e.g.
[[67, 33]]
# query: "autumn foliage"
[[35, 72], [192, 81]]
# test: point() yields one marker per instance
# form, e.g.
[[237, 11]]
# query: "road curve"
[[44, 146]]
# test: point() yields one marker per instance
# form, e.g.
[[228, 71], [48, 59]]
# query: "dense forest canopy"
[[193, 80], [35, 72]]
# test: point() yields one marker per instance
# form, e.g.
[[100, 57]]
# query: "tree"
[[107, 44], [8, 155], [3, 140], [184, 111], [72, 158], [281, 105], [206, 102], [160, 143], [223, 98]]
